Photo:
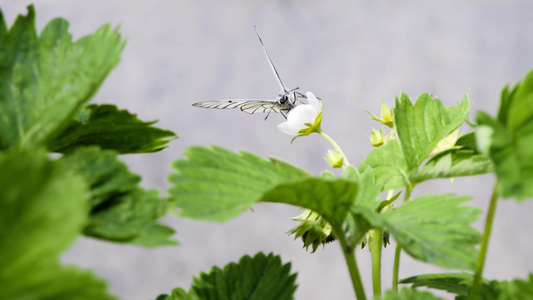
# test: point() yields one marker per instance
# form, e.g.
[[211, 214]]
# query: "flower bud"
[[387, 117], [376, 138], [334, 159]]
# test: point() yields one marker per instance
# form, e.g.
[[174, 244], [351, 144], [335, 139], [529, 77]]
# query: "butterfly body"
[[285, 102]]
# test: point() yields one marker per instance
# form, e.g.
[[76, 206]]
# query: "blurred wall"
[[353, 54]]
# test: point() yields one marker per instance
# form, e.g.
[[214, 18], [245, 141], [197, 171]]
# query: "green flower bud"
[[376, 138], [387, 117], [334, 159]]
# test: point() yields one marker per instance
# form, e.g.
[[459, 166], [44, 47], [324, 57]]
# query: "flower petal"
[[312, 99], [284, 127]]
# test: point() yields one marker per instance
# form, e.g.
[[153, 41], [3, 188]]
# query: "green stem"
[[476, 285], [349, 256], [396, 270], [375, 245], [336, 146]]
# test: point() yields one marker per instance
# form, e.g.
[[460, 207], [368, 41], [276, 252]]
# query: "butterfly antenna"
[[270, 62]]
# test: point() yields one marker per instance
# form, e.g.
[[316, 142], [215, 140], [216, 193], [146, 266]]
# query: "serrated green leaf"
[[453, 163], [407, 294], [110, 128], [460, 283], [179, 294], [331, 199], [45, 80], [121, 211], [422, 125], [455, 283], [389, 165], [435, 229], [43, 208], [261, 277], [508, 140], [215, 184]]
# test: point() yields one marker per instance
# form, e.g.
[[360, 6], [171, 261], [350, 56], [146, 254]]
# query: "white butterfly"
[[286, 100]]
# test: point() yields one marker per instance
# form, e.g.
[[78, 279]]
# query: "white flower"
[[304, 118]]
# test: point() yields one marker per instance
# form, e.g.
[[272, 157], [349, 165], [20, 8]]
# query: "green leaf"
[[421, 126], [369, 190], [517, 289], [520, 105], [432, 228], [45, 80], [460, 283], [455, 283], [42, 204], [389, 165], [121, 211], [407, 294], [179, 294], [106, 175], [43, 210], [110, 128], [131, 218], [216, 184], [331, 199], [508, 140], [66, 283], [261, 277], [453, 163]]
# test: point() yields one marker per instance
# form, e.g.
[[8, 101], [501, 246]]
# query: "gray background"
[[353, 54]]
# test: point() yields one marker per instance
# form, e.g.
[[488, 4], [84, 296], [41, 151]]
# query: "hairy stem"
[[396, 270], [337, 148], [375, 245], [476, 285], [349, 256]]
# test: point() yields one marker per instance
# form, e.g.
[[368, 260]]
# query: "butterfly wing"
[[247, 106]]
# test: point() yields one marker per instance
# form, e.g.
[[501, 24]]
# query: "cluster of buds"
[[379, 137]]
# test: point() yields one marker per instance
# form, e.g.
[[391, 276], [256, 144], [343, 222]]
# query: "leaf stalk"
[[476, 285]]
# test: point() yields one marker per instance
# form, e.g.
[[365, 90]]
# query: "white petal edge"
[[313, 100]]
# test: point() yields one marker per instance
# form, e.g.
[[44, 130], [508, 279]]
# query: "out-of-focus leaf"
[[121, 211], [44, 80], [131, 218], [106, 175], [215, 184], [110, 128], [508, 140], [43, 208]]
